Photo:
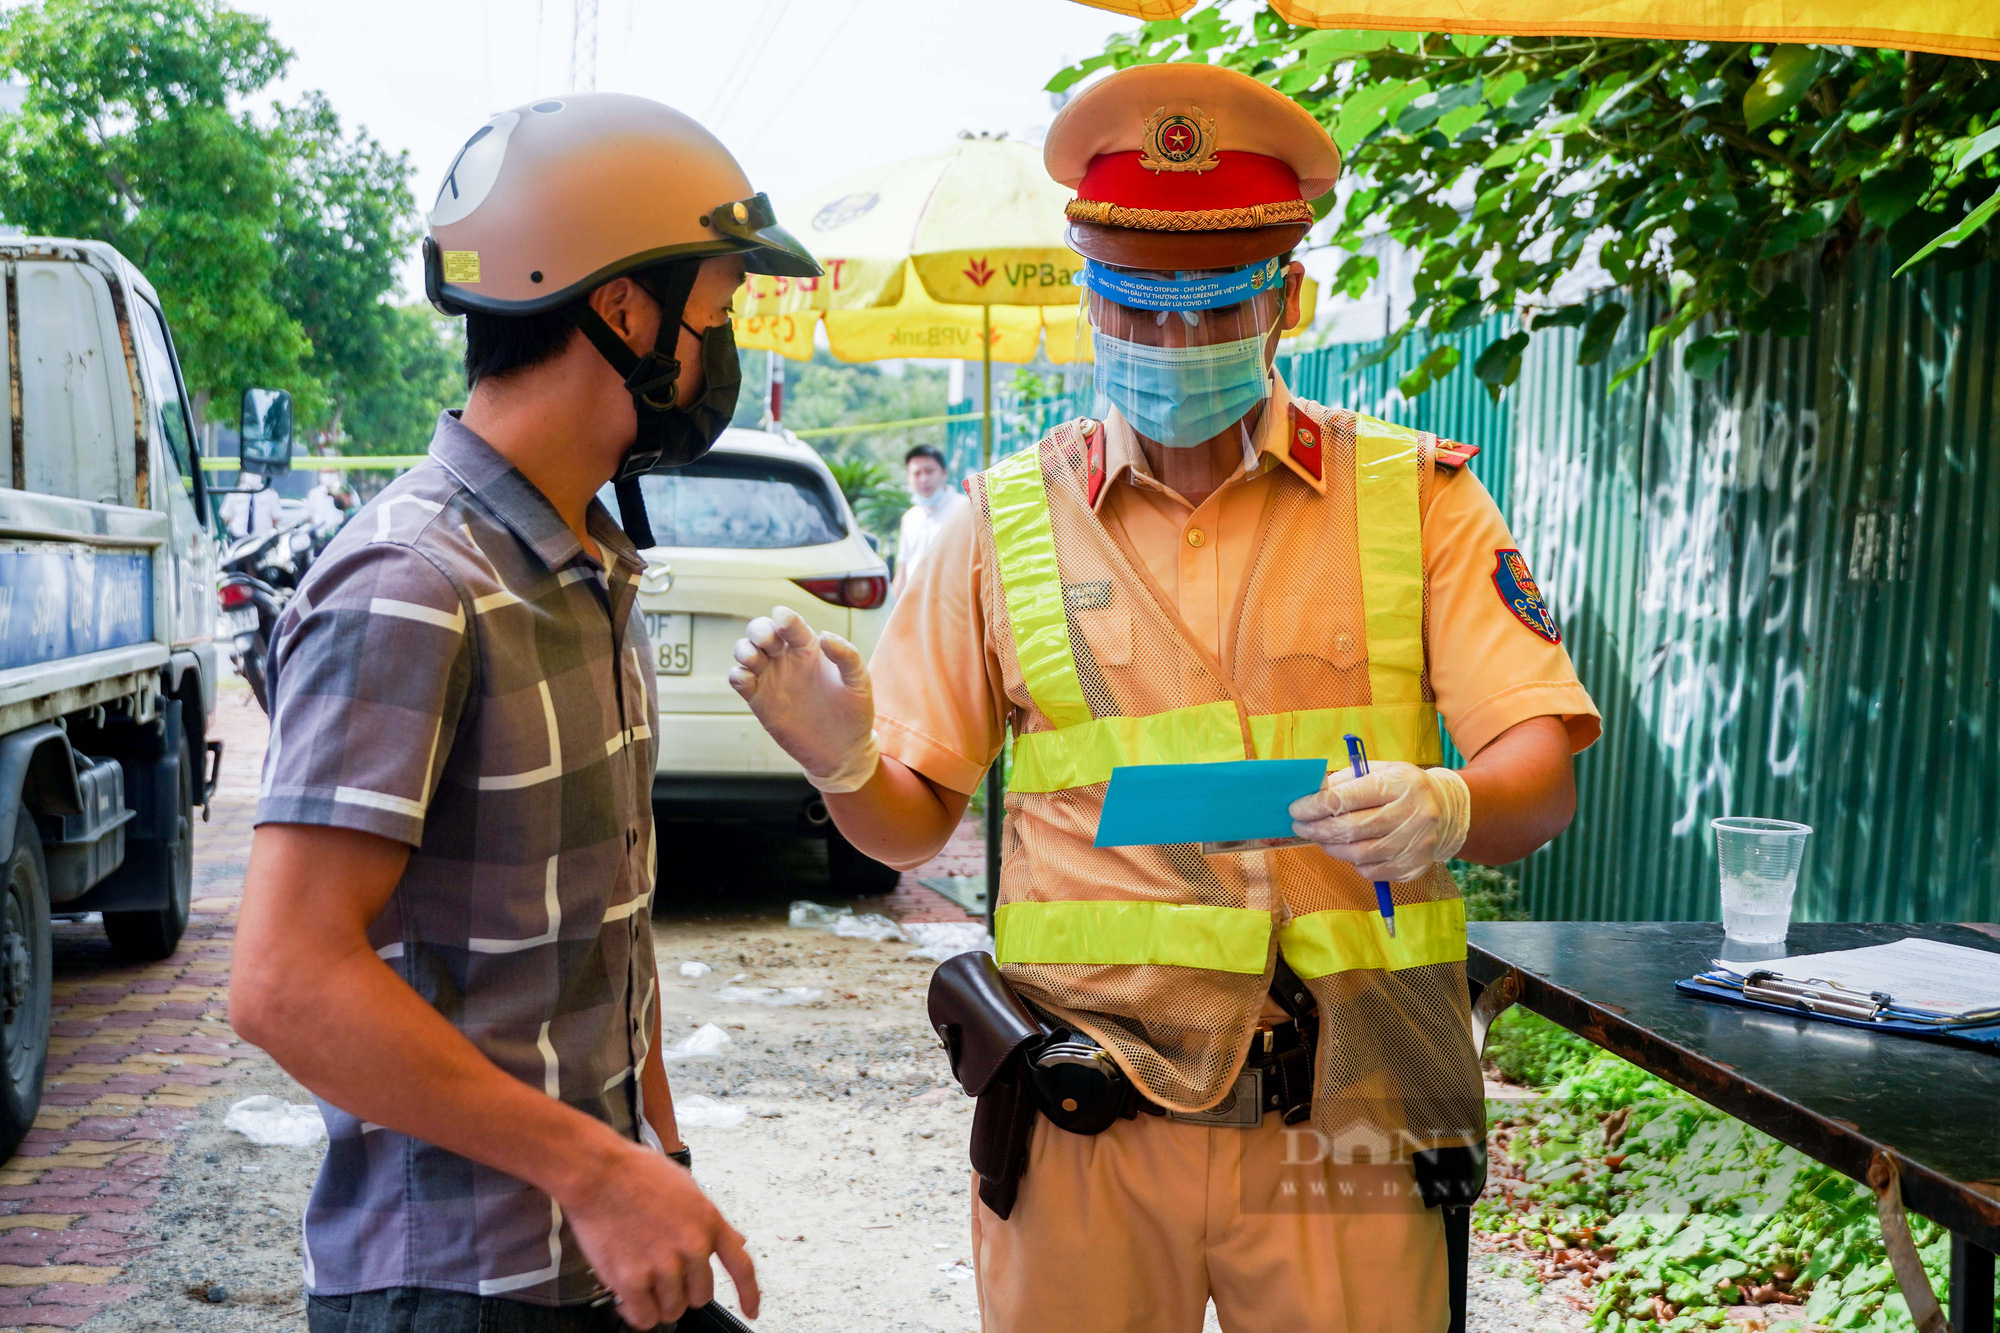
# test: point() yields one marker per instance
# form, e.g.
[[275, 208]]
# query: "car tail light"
[[863, 592], [235, 596]]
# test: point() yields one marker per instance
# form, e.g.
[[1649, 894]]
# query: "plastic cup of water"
[[1759, 859]]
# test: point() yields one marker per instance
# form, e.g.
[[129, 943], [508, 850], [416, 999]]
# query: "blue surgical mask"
[[1181, 396]]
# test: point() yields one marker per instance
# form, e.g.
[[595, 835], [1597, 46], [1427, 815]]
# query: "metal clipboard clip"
[[1819, 997]]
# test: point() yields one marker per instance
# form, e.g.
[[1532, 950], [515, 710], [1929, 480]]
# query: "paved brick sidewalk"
[[135, 1052], [965, 854]]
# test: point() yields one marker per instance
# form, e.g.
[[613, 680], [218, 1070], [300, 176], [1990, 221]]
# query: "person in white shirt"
[[244, 513], [936, 501], [329, 503]]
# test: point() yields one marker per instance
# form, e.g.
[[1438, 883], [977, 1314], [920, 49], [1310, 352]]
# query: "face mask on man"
[[936, 500], [673, 436], [1181, 396]]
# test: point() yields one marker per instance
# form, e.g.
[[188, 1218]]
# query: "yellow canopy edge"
[[918, 325], [1946, 27]]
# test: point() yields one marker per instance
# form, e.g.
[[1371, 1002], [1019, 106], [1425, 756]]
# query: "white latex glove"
[[812, 693], [1393, 824]]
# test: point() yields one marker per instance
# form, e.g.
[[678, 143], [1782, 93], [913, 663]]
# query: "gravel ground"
[[1503, 1299]]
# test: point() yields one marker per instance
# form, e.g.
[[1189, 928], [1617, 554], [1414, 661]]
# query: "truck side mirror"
[[265, 431]]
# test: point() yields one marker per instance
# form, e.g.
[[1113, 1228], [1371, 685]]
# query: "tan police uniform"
[[1350, 576]]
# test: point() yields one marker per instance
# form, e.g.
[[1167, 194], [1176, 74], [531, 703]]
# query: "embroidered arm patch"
[[1517, 589]]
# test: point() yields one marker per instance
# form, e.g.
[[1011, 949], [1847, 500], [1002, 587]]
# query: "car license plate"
[[672, 633], [239, 622]]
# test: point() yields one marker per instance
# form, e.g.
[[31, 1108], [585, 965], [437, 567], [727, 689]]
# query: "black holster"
[[988, 1035], [1450, 1177], [1446, 1177]]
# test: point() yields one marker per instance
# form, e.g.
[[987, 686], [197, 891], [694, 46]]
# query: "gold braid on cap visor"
[[1207, 219]]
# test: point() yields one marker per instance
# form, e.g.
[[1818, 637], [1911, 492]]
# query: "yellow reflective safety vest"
[[1165, 954]]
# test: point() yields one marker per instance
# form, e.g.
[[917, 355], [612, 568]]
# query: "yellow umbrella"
[[938, 255], [1947, 27]]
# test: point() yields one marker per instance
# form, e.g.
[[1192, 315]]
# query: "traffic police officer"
[[1215, 570]]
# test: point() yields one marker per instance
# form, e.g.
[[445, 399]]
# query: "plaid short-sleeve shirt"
[[458, 674]]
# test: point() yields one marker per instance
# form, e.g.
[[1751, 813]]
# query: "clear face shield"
[[1184, 355]]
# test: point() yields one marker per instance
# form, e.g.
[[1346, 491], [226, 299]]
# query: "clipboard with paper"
[[1911, 987]]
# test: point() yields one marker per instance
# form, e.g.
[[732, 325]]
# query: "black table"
[[1838, 1094]]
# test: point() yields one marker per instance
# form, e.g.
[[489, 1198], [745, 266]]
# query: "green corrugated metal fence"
[[1782, 587]]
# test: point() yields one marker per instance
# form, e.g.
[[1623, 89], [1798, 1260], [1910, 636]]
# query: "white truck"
[[107, 632]]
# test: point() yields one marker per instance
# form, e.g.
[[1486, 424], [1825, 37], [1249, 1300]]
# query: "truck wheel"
[[148, 936], [854, 873], [24, 984]]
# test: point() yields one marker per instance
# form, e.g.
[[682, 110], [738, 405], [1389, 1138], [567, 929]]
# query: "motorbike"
[[259, 575]]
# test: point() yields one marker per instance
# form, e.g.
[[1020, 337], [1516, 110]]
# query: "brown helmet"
[[552, 199]]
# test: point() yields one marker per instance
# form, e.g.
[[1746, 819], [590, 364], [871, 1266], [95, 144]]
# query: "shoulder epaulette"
[[1452, 454], [1304, 445]]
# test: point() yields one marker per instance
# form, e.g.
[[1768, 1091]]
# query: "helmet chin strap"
[[651, 380]]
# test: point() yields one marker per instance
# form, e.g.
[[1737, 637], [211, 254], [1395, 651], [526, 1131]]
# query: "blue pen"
[[1357, 758]]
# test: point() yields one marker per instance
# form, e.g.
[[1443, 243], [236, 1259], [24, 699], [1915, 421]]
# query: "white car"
[[758, 522]]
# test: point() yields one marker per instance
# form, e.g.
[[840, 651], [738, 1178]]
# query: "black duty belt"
[[1277, 1076]]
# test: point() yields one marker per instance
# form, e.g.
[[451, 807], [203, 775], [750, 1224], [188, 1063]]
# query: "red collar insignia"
[[1093, 456], [1305, 442], [1450, 453]]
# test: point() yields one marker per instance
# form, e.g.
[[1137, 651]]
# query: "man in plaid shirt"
[[445, 930]]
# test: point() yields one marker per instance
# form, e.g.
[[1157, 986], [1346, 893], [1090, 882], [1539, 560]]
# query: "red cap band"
[[1238, 180]]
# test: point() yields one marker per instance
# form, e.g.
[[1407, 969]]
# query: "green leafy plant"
[[1703, 172], [871, 488], [1528, 1049], [1028, 386], [1490, 894], [1670, 1211]]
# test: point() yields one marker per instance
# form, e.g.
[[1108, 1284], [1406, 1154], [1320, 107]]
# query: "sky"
[[802, 91]]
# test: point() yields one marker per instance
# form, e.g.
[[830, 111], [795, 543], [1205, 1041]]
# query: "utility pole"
[[583, 48]]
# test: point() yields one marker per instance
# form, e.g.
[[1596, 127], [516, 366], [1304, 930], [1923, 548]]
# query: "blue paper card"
[[1152, 805]]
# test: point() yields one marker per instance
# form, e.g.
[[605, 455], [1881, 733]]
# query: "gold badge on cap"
[[1177, 142]]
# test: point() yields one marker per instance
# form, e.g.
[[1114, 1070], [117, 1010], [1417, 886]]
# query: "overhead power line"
[[793, 85], [751, 55]]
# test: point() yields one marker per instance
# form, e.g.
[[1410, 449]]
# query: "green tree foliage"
[[126, 134], [271, 239], [421, 357], [344, 219], [1706, 172], [826, 392], [1490, 894]]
